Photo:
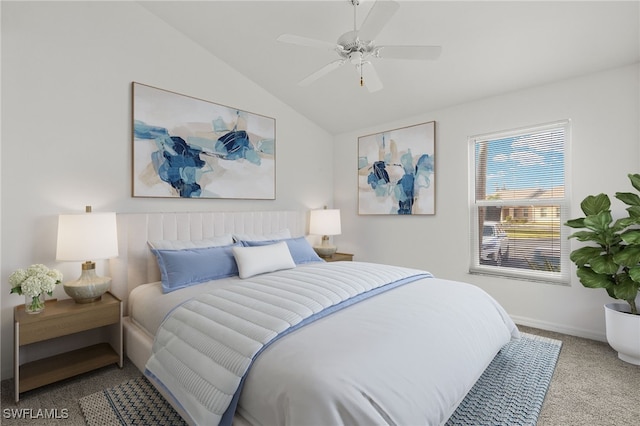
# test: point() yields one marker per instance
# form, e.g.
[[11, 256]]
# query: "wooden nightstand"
[[61, 318], [339, 256]]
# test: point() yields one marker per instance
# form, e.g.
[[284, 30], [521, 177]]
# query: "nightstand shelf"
[[61, 318], [62, 366], [337, 257]]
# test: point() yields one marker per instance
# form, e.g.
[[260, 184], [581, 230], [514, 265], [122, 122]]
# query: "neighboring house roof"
[[528, 193]]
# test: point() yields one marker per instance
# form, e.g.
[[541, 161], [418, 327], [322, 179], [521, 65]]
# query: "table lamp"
[[325, 222], [87, 236]]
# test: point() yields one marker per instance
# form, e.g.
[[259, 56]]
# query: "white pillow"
[[260, 259], [278, 235], [222, 240]]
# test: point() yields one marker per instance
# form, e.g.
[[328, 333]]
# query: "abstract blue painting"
[[186, 147], [396, 171]]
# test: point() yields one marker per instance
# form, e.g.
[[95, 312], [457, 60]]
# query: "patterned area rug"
[[510, 392], [135, 402]]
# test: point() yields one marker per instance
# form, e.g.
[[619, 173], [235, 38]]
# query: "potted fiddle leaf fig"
[[611, 260]]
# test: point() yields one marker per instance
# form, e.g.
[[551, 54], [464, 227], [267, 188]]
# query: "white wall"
[[67, 70], [604, 111]]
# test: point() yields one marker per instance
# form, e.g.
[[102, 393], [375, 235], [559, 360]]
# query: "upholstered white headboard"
[[136, 264]]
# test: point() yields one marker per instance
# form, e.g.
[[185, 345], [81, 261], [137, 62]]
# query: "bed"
[[380, 345]]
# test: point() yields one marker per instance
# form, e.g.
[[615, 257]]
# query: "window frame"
[[561, 208]]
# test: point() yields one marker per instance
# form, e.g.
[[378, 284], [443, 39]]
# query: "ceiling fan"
[[358, 46]]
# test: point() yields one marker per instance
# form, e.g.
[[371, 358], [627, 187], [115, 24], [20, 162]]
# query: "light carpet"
[[510, 392]]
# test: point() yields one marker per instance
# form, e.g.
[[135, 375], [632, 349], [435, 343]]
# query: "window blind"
[[518, 203]]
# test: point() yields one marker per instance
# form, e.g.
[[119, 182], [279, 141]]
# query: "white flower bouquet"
[[34, 281]]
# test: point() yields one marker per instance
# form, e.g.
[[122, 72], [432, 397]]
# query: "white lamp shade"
[[87, 236], [325, 222]]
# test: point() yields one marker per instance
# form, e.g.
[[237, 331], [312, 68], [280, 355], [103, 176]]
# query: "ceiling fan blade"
[[420, 53], [369, 77], [304, 41], [380, 13], [322, 72]]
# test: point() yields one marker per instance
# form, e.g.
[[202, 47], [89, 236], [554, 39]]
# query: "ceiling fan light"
[[355, 58]]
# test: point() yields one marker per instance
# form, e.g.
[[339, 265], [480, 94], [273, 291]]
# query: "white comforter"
[[407, 356]]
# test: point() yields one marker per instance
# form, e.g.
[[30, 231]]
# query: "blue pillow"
[[301, 250], [182, 268]]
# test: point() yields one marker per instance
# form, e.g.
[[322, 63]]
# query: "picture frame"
[[185, 147], [396, 171]]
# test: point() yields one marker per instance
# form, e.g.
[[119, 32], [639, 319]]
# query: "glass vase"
[[34, 305]]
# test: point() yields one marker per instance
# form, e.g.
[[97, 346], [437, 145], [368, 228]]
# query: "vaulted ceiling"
[[488, 48]]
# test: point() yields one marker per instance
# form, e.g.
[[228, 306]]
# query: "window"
[[519, 202]]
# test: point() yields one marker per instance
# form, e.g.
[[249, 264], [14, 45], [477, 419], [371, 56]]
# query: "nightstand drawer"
[[338, 257], [64, 317]]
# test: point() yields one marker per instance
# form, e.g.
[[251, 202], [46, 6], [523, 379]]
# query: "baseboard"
[[572, 331]]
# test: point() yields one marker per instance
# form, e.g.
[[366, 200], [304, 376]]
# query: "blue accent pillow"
[[301, 250], [182, 268]]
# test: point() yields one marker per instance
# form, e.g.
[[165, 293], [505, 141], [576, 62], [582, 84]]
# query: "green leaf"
[[635, 180], [634, 213], [17, 290], [634, 273], [588, 236], [629, 198], [611, 239], [584, 255], [624, 223], [628, 256], [594, 204], [591, 279], [631, 237], [604, 265], [576, 223], [610, 292], [626, 289], [599, 222]]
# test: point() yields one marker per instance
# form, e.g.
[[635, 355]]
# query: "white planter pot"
[[623, 331]]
